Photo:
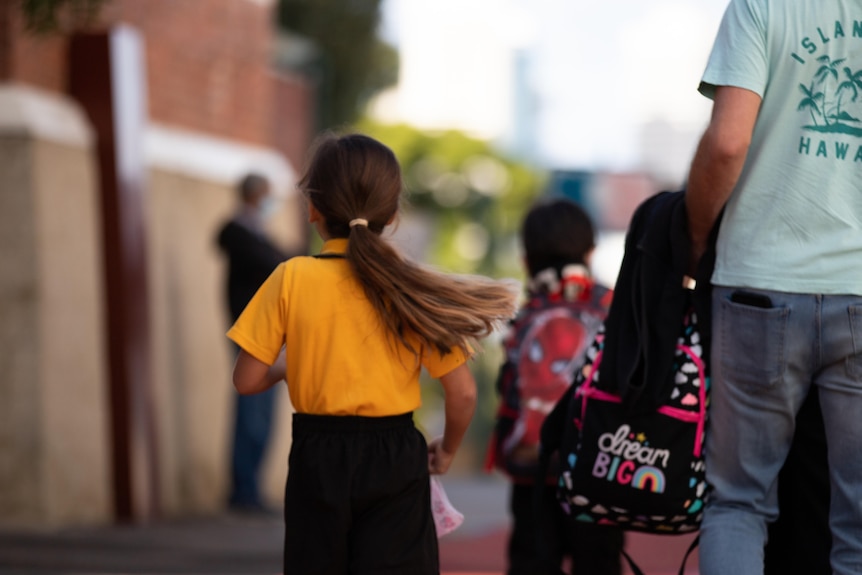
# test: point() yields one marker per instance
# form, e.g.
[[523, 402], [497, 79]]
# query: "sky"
[[608, 86], [591, 81]]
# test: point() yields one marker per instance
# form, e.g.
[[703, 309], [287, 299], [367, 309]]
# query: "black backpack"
[[629, 431], [641, 471]]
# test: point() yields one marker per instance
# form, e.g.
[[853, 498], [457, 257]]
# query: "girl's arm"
[[460, 389], [250, 375]]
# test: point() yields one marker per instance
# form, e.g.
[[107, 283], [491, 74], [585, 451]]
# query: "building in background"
[[207, 106], [601, 95]]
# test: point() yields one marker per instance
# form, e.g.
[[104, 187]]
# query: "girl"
[[349, 330]]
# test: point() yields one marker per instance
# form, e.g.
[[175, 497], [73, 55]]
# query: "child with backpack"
[[545, 345], [349, 330]]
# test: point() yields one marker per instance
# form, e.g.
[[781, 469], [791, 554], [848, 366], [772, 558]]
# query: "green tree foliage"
[[352, 63], [475, 195], [43, 16]]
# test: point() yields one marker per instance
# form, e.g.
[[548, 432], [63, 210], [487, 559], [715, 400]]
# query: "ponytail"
[[443, 310], [354, 182]]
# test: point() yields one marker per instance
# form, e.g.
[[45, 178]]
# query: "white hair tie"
[[359, 222]]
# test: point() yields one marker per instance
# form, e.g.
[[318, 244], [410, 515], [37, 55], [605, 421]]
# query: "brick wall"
[[208, 67], [5, 40], [294, 118], [38, 61], [208, 63]]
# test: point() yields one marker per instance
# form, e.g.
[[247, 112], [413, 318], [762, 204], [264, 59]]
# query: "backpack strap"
[[637, 570], [691, 548], [632, 565], [329, 256]]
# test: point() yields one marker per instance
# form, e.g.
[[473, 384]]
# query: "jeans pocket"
[[854, 362], [753, 344]]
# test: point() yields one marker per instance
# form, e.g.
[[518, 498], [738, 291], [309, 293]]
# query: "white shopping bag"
[[446, 517]]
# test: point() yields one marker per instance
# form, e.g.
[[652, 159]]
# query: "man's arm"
[[718, 162]]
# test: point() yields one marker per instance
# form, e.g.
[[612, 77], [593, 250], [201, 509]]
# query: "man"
[[782, 156], [251, 258]]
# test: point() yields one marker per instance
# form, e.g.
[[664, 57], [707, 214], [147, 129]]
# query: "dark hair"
[[251, 185], [555, 233], [355, 176]]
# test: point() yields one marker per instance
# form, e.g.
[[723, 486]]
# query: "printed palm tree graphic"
[[828, 69], [852, 84], [833, 113], [810, 101]]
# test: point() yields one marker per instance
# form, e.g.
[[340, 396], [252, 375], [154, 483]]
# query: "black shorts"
[[358, 498]]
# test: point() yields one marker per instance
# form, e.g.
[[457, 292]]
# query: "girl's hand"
[[439, 459], [460, 403]]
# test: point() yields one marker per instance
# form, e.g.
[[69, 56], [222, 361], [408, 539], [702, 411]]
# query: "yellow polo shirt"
[[340, 358]]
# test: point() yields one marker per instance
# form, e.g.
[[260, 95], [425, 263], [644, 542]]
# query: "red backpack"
[[545, 345]]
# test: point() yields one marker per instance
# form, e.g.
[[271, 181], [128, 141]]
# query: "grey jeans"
[[766, 354]]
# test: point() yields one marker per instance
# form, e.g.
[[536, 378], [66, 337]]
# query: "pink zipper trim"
[[701, 373], [587, 391]]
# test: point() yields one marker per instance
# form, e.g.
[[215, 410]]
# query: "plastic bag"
[[446, 517]]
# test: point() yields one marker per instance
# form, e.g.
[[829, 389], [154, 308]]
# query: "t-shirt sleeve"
[[260, 329], [439, 365], [739, 55]]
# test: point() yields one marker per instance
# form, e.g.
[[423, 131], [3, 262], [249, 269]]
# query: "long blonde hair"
[[354, 176]]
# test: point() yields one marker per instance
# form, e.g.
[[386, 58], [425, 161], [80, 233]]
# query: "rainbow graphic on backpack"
[[642, 471]]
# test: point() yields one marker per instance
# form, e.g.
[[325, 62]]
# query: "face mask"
[[268, 206]]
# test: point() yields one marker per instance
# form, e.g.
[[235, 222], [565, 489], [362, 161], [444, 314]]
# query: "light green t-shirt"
[[794, 220]]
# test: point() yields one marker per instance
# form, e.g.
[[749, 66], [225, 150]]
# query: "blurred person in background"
[[251, 258], [544, 347], [781, 157]]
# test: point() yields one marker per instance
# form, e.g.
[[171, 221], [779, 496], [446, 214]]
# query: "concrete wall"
[[54, 465], [191, 193], [54, 430], [212, 96]]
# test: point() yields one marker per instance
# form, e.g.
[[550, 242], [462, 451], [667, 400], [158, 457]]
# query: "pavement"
[[232, 544]]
